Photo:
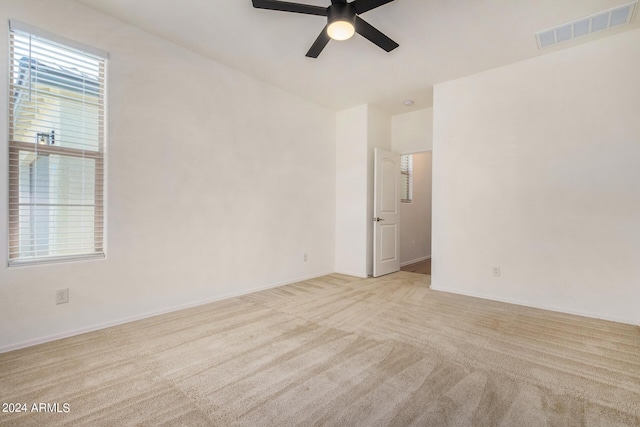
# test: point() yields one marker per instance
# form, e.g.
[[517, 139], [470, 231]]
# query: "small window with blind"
[[406, 183], [56, 148]]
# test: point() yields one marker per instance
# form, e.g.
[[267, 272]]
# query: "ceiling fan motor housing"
[[341, 19], [341, 12]]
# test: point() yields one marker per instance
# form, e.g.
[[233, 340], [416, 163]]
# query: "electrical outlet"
[[62, 296], [306, 258], [496, 271]]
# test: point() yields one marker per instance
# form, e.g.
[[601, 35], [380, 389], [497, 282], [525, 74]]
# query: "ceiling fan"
[[342, 21]]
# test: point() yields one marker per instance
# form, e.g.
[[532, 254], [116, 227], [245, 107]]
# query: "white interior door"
[[386, 212]]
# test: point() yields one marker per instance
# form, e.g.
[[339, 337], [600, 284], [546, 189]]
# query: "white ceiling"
[[439, 40]]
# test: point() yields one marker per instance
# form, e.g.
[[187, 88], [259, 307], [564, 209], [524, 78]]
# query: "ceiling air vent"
[[591, 24]]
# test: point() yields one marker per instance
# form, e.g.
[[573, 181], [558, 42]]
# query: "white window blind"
[[406, 169], [56, 149]]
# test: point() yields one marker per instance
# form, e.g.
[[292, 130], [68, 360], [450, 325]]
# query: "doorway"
[[421, 267], [415, 213]]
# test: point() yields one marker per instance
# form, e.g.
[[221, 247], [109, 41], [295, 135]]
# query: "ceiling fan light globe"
[[341, 30]]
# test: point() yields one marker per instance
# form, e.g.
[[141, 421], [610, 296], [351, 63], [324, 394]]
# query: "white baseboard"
[[413, 261], [541, 306], [351, 273], [104, 325]]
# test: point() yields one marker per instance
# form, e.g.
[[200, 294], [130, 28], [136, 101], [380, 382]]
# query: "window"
[[56, 148], [406, 183]]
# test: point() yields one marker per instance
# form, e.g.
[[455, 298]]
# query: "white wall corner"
[[412, 132]]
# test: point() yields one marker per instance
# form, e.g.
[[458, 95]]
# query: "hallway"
[[422, 267]]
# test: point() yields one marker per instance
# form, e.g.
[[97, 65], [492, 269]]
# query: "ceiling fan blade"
[[363, 6], [319, 44], [286, 6], [373, 35]]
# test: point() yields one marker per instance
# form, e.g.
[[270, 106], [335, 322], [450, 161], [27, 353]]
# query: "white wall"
[[412, 132], [415, 217], [351, 191], [358, 131], [217, 185], [536, 171]]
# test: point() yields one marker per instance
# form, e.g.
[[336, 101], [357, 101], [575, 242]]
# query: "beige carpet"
[[337, 351]]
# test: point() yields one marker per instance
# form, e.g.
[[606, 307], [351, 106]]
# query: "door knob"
[[377, 219]]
